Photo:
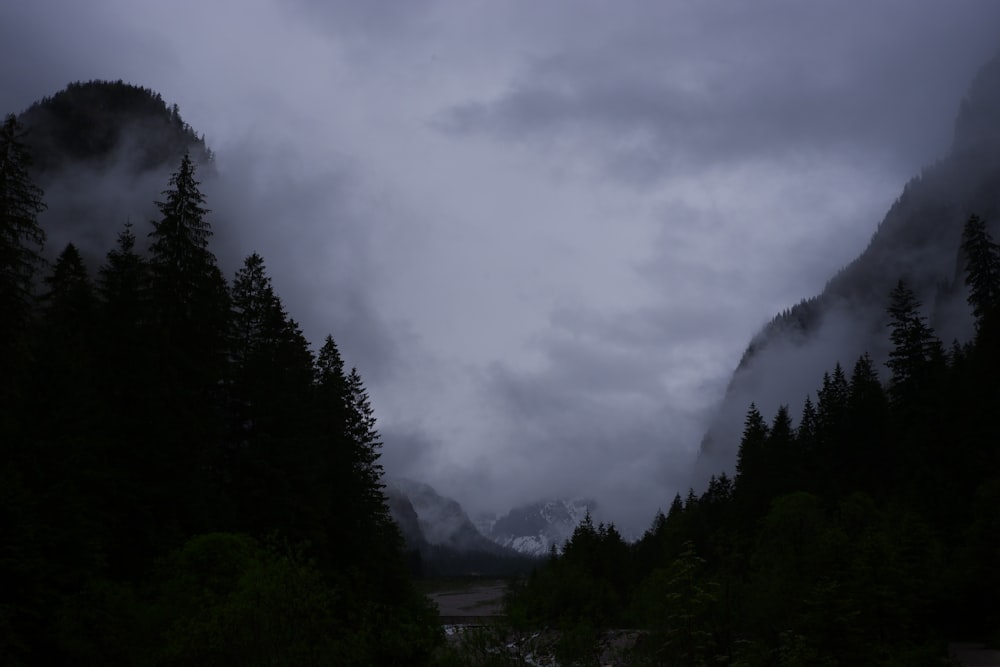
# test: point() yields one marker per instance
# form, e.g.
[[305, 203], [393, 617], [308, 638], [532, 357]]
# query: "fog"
[[545, 233]]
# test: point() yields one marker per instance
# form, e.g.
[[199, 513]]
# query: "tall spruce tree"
[[916, 350], [187, 283], [865, 459], [189, 292], [21, 241], [982, 269], [751, 465], [189, 314]]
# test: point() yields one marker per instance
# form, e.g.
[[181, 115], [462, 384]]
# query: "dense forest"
[[183, 479], [186, 480], [865, 534]]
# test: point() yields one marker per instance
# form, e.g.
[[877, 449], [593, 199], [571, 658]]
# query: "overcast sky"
[[544, 231]]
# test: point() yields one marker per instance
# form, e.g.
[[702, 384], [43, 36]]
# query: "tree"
[[806, 431], [189, 324], [832, 404], [122, 281], [780, 468], [258, 316], [751, 465], [865, 460], [21, 241], [982, 269], [915, 347], [752, 445], [186, 278], [191, 302]]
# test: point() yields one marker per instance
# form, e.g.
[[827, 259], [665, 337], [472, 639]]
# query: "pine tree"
[[755, 432], [124, 346], [258, 316], [187, 336], [21, 241], [350, 449], [69, 300], [832, 404], [865, 459], [123, 282], [916, 350], [779, 464], [982, 269], [64, 343], [188, 290], [805, 434], [676, 507], [752, 476]]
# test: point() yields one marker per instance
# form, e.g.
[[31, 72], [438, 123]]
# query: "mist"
[[544, 235]]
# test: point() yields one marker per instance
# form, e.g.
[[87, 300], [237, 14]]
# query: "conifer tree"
[[64, 347], [258, 316], [805, 434], [865, 460], [832, 404], [915, 347], [755, 432], [676, 507], [123, 281], [68, 302], [124, 346], [192, 302], [188, 287], [982, 269], [751, 465], [188, 332], [21, 241], [778, 466]]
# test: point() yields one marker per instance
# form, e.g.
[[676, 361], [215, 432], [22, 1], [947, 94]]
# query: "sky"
[[543, 231]]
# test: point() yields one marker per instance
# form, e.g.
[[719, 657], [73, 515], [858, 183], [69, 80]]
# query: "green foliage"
[[678, 604], [225, 600]]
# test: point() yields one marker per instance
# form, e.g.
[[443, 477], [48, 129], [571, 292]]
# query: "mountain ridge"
[[917, 240]]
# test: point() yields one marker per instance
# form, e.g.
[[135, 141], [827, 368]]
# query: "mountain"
[[918, 241], [535, 528], [441, 520], [103, 151], [99, 123], [439, 531]]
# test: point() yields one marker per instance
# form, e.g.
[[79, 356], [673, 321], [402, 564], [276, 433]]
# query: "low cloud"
[[544, 233]]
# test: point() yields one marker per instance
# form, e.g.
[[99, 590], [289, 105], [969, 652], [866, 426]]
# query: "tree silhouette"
[[21, 241], [982, 269]]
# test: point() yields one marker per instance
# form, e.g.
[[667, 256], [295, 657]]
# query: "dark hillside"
[[100, 122], [917, 240]]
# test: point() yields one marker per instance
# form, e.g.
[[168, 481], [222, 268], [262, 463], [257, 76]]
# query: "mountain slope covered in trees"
[[851, 523], [184, 479], [863, 533], [917, 240]]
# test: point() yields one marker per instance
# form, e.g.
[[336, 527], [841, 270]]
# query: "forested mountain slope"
[[184, 479], [918, 240]]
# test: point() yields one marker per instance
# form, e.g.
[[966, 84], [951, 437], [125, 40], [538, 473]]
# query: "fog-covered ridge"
[[917, 240]]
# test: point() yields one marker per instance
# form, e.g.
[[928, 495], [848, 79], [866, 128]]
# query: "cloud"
[[678, 89], [545, 232]]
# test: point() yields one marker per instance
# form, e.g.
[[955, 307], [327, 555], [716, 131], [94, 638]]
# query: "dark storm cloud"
[[545, 232], [738, 82]]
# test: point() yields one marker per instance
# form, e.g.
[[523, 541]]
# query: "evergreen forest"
[[864, 534], [184, 481]]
